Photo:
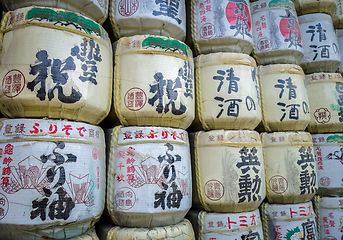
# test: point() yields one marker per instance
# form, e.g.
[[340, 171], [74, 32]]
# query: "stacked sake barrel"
[[290, 169], [54, 63], [227, 160], [149, 173]]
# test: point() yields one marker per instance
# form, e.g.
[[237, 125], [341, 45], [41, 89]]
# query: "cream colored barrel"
[[285, 104], [149, 176], [289, 221], [321, 50], [324, 92], [159, 91], [54, 64], [312, 6], [228, 92], [223, 26], [276, 32], [328, 152], [290, 168], [339, 35], [228, 170], [180, 231], [331, 218], [337, 17], [95, 9], [221, 226], [52, 178], [139, 17]]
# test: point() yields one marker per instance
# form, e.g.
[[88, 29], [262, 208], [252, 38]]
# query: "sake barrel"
[[220, 226], [54, 64], [290, 168], [289, 221], [95, 9], [276, 32], [139, 17], [228, 170], [149, 176], [331, 218], [52, 178], [324, 92], [339, 35], [321, 6], [223, 26], [228, 92], [159, 91], [285, 104], [337, 17], [328, 152], [321, 50]]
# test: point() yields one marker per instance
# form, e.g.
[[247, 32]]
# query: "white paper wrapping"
[[331, 218], [95, 9], [160, 89], [285, 104], [321, 50], [52, 178], [324, 92], [54, 64], [221, 26], [328, 151], [289, 221], [228, 92], [149, 176], [180, 231], [276, 32], [228, 170], [140, 17], [222, 226], [291, 172]]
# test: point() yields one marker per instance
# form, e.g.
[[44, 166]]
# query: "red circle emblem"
[[325, 181], [239, 14], [13, 83], [289, 30], [127, 8], [214, 190], [125, 198], [322, 115], [278, 184], [135, 99]]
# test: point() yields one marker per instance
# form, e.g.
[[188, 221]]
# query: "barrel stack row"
[[56, 59]]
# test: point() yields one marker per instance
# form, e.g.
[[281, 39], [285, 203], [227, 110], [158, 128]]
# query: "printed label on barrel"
[[234, 22], [332, 222], [158, 170]]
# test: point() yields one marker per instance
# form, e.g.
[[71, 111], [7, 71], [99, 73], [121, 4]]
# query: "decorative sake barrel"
[[52, 178], [339, 35], [149, 176], [245, 225], [89, 235], [337, 17], [285, 104], [331, 218], [276, 32], [180, 231], [290, 168], [315, 6], [95, 9], [228, 92], [328, 152], [321, 50], [54, 64], [325, 91], [289, 221], [223, 26], [228, 170], [138, 17], [160, 90]]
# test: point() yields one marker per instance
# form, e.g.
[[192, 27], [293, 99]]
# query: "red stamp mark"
[[101, 3], [127, 8], [325, 181], [125, 198], [239, 15], [264, 44], [13, 83], [214, 190], [95, 153], [4, 206], [322, 115], [135, 99], [207, 30], [278, 184]]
